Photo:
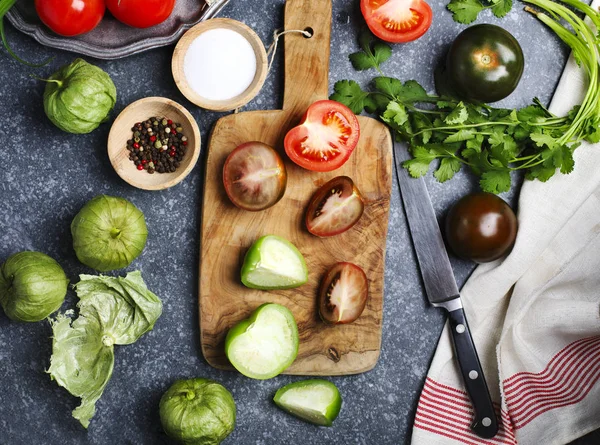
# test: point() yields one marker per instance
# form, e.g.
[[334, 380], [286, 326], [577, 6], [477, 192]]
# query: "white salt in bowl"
[[220, 64]]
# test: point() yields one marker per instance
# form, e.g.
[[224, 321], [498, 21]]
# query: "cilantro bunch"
[[466, 11], [492, 142]]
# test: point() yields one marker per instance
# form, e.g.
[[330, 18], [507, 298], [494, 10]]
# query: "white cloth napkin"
[[535, 317]]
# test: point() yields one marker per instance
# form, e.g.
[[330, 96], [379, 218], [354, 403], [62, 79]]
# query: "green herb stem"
[[5, 6]]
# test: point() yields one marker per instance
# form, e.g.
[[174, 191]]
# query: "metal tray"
[[112, 39]]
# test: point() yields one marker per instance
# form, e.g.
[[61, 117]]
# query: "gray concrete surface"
[[47, 175]]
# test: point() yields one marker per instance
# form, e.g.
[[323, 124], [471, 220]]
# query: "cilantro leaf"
[[542, 139], [374, 53], [413, 92], [376, 103], [458, 116], [448, 167], [541, 173], [593, 132], [419, 165], [568, 162], [395, 115], [476, 114], [532, 113], [388, 85], [444, 104], [349, 93], [459, 136], [465, 11], [420, 122], [475, 143], [409, 92], [362, 61], [495, 181], [502, 7]]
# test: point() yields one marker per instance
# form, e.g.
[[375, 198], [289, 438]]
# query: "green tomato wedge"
[[316, 401], [274, 263], [265, 344]]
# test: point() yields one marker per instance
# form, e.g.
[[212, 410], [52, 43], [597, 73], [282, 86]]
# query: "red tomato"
[[397, 21], [70, 17], [334, 208], [325, 138], [141, 13], [343, 294]]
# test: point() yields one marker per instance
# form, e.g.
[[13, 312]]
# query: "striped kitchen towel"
[[535, 316]]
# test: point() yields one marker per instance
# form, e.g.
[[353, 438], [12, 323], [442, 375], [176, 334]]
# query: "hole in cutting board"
[[310, 31]]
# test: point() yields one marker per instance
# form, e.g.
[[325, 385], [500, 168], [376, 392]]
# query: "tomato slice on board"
[[343, 294], [334, 208], [325, 138], [254, 176], [397, 21]]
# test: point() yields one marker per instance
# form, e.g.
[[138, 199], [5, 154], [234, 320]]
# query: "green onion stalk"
[[584, 43], [5, 6]]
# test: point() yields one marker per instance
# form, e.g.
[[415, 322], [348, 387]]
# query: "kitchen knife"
[[442, 291]]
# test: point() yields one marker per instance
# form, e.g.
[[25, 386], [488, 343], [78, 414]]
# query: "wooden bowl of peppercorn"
[[154, 143]]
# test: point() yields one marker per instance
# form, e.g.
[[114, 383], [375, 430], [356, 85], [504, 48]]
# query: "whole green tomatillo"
[[197, 412], [79, 97], [108, 233], [32, 286]]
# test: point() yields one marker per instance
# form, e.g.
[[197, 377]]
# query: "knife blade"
[[442, 291]]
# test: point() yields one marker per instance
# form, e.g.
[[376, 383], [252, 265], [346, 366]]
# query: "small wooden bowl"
[[121, 132], [237, 101]]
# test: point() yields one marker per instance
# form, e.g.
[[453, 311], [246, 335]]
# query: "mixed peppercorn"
[[157, 145]]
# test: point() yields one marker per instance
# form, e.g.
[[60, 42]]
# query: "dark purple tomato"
[[334, 208], [343, 294], [484, 63], [481, 227], [254, 176]]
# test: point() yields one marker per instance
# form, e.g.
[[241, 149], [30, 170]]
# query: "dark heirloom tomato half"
[[254, 176], [484, 63], [334, 208], [343, 294], [325, 138], [397, 21], [481, 227]]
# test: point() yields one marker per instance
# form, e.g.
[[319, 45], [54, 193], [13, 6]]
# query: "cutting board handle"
[[306, 59]]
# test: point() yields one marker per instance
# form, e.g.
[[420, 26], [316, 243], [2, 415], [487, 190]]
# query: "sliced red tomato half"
[[325, 138], [397, 21]]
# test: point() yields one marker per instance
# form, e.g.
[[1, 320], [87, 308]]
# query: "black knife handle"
[[485, 424]]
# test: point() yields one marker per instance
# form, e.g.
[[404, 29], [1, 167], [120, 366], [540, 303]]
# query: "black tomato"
[[484, 63], [481, 227], [343, 294]]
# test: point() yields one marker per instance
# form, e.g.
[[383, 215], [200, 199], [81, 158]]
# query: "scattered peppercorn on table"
[[47, 176]]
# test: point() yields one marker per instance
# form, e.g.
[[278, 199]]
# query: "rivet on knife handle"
[[485, 423]]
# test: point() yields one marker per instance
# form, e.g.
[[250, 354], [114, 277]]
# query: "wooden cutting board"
[[227, 232]]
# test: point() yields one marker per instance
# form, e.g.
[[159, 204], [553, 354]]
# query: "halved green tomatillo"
[[273, 263], [265, 344], [317, 401]]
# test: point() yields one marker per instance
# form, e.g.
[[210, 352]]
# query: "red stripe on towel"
[[567, 379], [447, 411]]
